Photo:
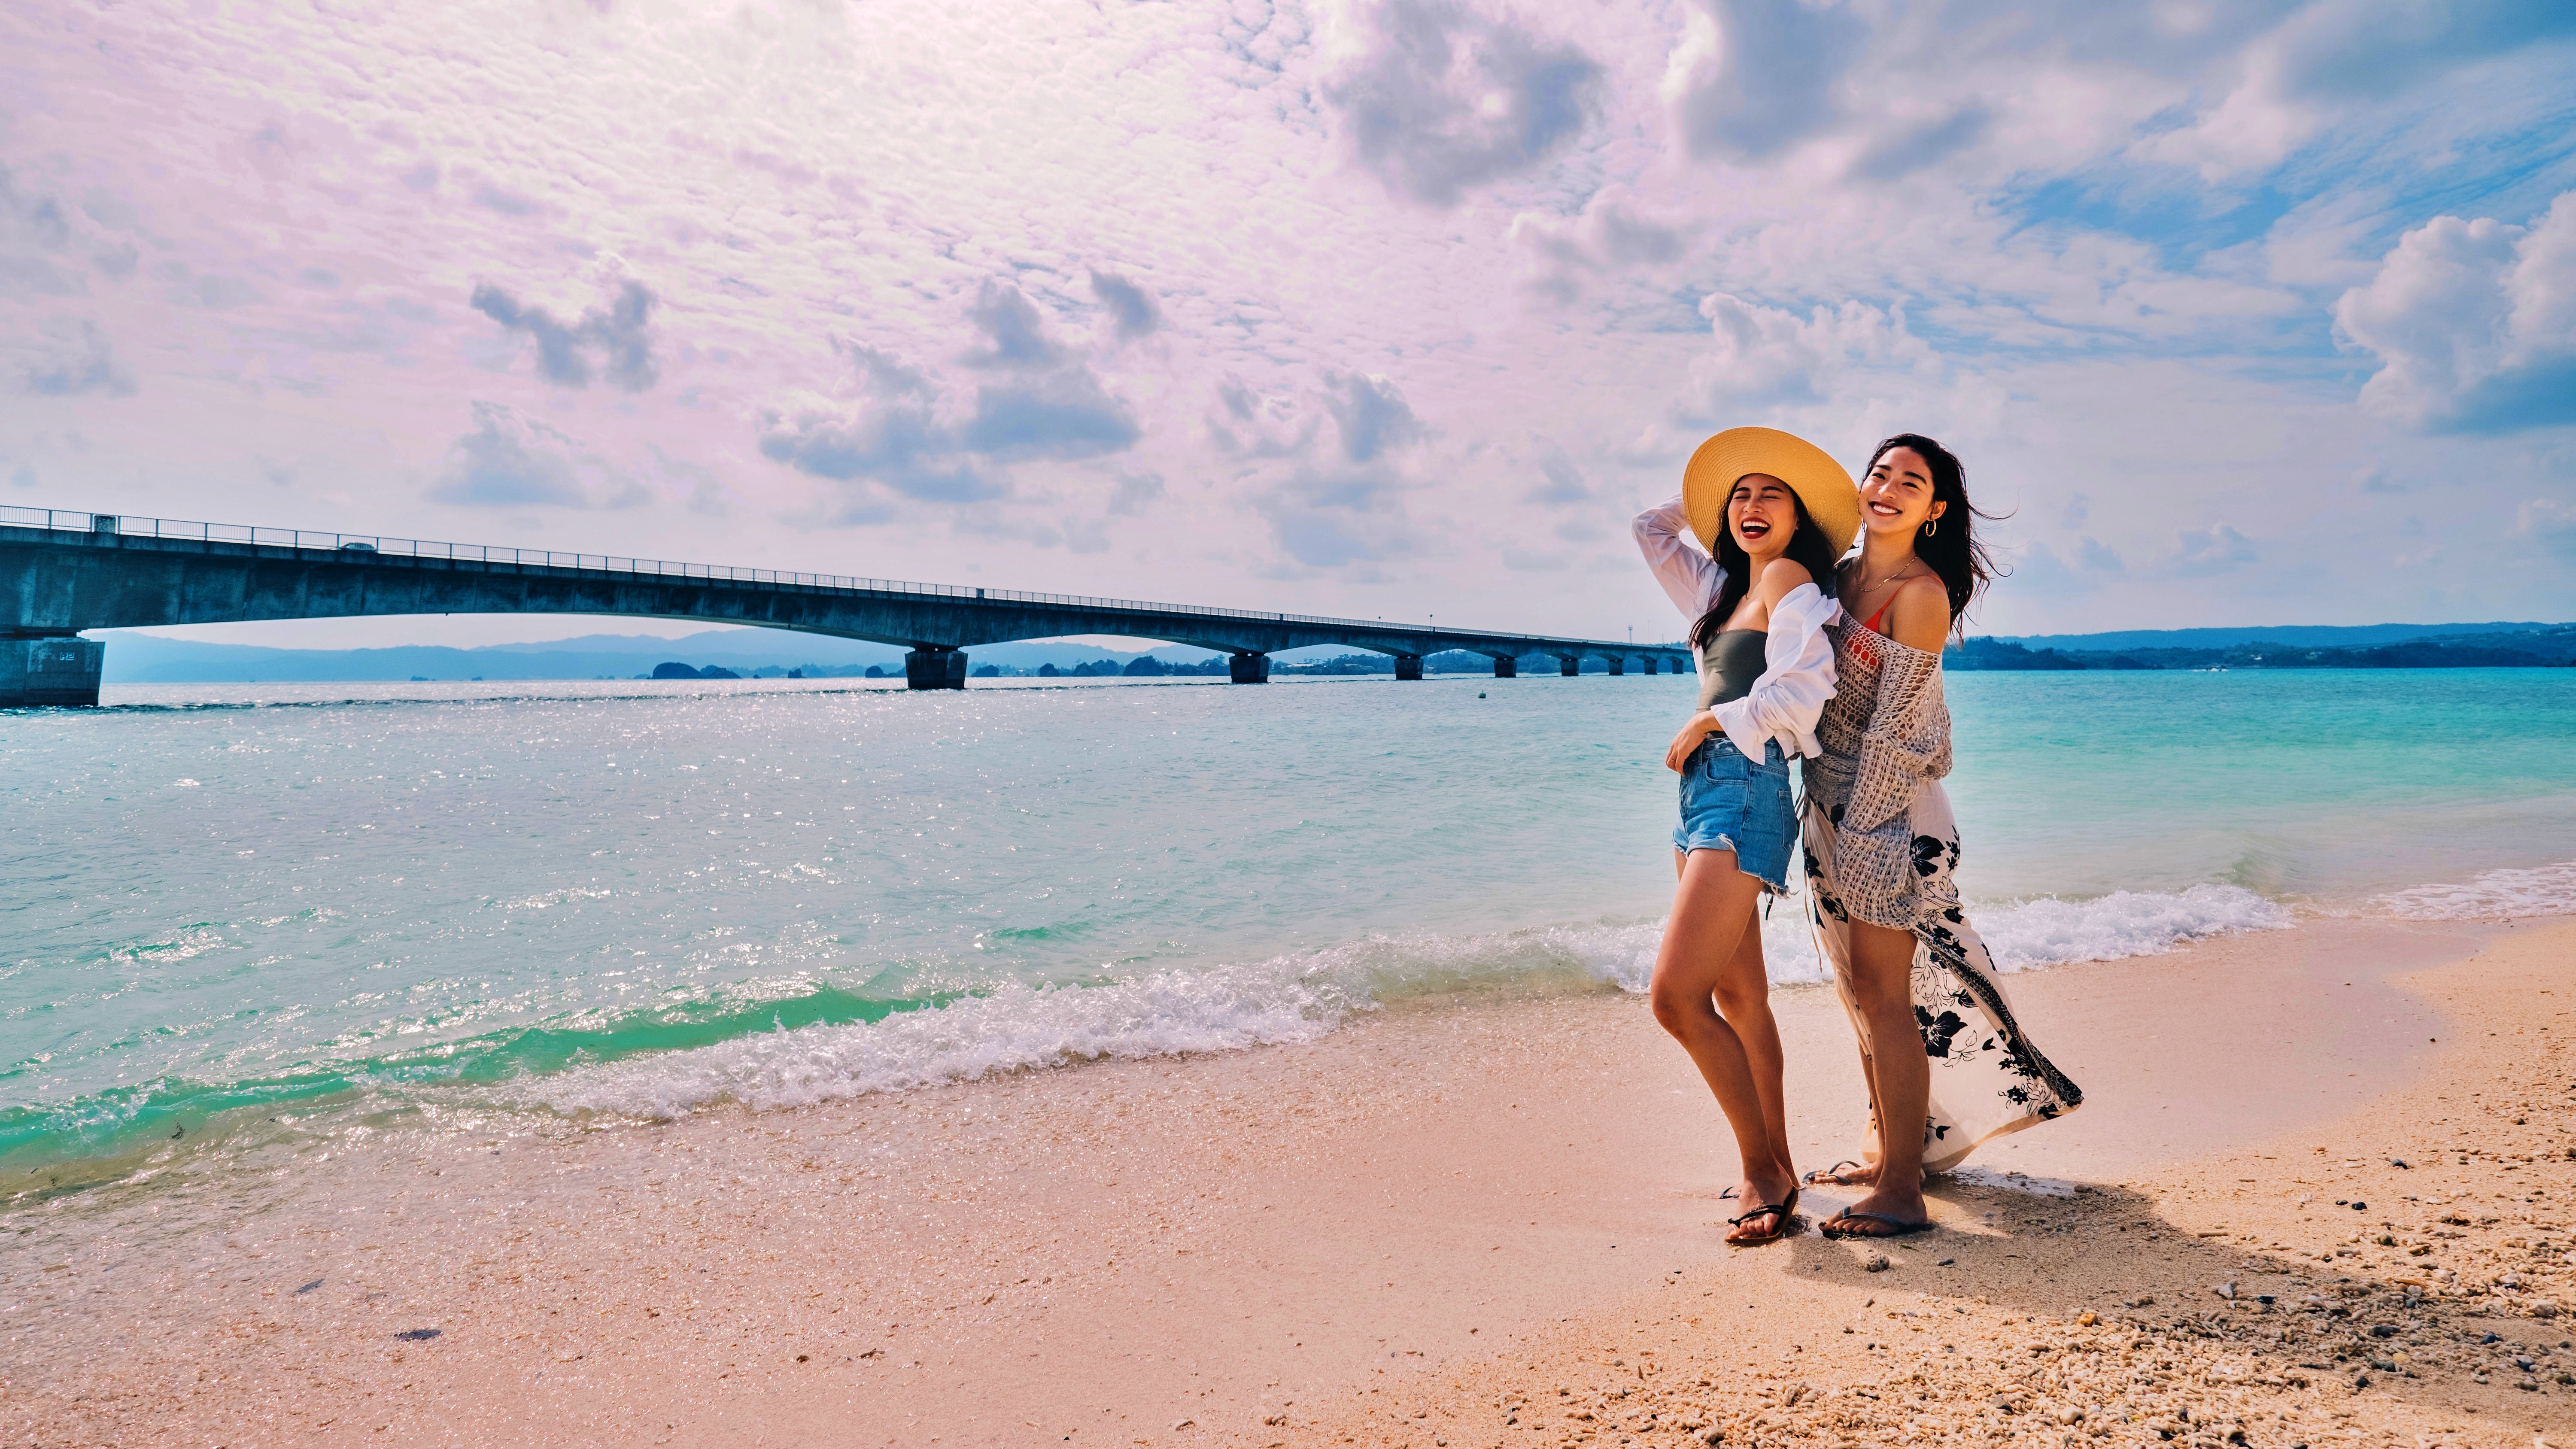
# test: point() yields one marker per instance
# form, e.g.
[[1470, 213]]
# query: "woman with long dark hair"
[[1774, 512], [1940, 1046]]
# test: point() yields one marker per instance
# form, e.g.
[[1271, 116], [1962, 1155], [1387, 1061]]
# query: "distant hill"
[[2377, 646], [2315, 636]]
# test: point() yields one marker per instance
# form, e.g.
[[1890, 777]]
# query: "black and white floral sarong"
[[1987, 1079], [1881, 847]]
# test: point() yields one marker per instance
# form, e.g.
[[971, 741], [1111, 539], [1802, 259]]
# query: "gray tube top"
[[1730, 664]]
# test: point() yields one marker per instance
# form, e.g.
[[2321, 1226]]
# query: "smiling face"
[[1762, 514], [1896, 497]]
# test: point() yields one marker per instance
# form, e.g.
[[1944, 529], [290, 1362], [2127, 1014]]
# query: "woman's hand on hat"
[[1700, 727]]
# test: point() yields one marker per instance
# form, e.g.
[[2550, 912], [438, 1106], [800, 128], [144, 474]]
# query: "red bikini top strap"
[[1872, 623]]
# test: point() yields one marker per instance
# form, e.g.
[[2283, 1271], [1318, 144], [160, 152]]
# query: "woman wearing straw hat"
[[1947, 1063], [1773, 511]]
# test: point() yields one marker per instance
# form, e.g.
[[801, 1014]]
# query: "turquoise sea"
[[233, 916]]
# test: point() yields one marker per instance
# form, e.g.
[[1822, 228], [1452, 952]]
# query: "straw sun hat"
[[1832, 500]]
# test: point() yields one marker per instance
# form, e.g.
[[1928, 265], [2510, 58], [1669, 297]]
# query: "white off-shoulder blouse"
[[1797, 657]]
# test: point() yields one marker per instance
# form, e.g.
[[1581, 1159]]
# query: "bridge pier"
[[1618, 665], [1248, 668], [54, 671], [1408, 666], [934, 666], [1506, 667], [1569, 665]]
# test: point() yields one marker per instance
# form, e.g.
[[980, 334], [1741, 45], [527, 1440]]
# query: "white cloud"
[[1250, 424], [1763, 357], [897, 427], [1372, 417], [620, 333], [1131, 308], [2328, 59], [1136, 492], [1609, 236], [72, 356], [1065, 414], [1335, 508], [2549, 522], [1015, 337], [509, 461], [1436, 99], [2216, 549], [1562, 484], [889, 433], [38, 236], [2474, 323], [1751, 78], [1340, 516]]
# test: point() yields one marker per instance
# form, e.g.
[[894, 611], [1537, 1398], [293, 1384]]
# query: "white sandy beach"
[[1395, 1235]]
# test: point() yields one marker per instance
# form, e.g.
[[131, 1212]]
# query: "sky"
[[2238, 313]]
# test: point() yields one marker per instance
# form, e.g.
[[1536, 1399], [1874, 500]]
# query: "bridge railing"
[[135, 526]]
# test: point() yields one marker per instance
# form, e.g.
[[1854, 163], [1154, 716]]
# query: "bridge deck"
[[63, 572]]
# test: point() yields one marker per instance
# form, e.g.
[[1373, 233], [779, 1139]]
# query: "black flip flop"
[[1833, 1176], [1779, 1226], [1898, 1228]]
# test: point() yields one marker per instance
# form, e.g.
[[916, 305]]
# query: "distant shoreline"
[[1982, 654]]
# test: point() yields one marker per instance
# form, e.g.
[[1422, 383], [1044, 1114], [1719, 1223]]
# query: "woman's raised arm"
[[1689, 576]]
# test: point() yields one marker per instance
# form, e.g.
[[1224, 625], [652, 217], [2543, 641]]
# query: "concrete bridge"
[[61, 573]]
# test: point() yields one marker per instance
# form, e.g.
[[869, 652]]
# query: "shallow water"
[[223, 907]]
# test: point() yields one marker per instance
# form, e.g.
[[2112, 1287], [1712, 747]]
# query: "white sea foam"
[[2052, 932], [1163, 1013], [1013, 1027], [1297, 998], [2548, 890], [2045, 932]]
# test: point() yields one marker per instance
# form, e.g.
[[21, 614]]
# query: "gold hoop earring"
[[1931, 526]]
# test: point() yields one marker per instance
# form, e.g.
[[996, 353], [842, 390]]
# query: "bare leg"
[[1900, 1076], [1744, 1002], [1702, 956]]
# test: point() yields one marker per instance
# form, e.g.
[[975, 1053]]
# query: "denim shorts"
[[1733, 803]]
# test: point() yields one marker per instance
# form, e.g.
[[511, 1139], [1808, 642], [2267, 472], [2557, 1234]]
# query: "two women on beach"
[[1805, 653]]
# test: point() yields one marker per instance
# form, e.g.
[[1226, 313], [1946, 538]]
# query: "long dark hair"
[[1808, 546], [1952, 547]]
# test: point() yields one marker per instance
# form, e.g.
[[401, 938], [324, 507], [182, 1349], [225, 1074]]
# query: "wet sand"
[[1429, 1213]]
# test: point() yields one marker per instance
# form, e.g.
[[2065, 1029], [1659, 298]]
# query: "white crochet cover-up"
[[1881, 847]]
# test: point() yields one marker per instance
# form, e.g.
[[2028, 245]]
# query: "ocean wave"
[[2053, 932], [788, 1042], [1299, 998], [2548, 890], [1014, 1027], [116, 1128], [194, 940]]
